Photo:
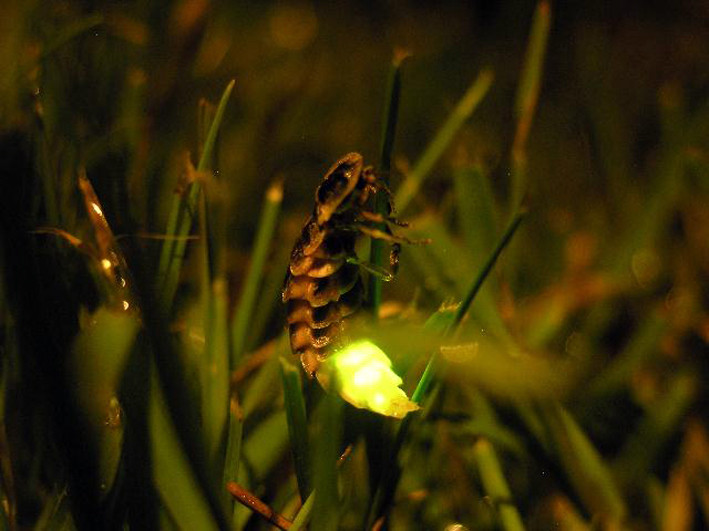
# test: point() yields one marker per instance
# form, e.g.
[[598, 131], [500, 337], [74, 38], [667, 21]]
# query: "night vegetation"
[[158, 162]]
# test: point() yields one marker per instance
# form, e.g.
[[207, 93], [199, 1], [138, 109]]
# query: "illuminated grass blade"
[[391, 114], [426, 379], [252, 282], [297, 426], [526, 99], [496, 486], [466, 106], [182, 213], [390, 477], [304, 514]]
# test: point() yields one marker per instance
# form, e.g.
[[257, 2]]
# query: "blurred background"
[[584, 359]]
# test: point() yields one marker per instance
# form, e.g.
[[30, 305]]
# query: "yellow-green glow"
[[361, 373]]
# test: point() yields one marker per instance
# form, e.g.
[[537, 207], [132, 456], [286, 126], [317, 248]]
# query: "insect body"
[[323, 285]]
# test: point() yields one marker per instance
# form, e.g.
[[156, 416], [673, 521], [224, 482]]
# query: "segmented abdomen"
[[321, 290]]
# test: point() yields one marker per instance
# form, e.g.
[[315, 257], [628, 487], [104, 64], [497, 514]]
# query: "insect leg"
[[378, 218], [388, 236], [373, 269]]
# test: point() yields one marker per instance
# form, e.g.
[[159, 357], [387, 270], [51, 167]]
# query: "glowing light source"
[[361, 373], [106, 263]]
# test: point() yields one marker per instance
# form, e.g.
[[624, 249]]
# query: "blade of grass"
[[526, 99], [182, 213], [215, 370], [245, 308], [465, 108], [265, 447], [386, 489], [476, 210], [427, 377], [270, 294], [175, 482], [261, 389], [485, 313], [391, 113], [328, 418], [297, 425], [174, 385], [496, 486], [583, 465], [653, 433], [303, 517], [234, 441], [56, 514]]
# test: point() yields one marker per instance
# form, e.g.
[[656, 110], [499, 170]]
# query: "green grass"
[[559, 361]]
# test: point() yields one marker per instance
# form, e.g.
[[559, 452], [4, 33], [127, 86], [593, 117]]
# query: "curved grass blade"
[[385, 492], [465, 108], [182, 213], [427, 377]]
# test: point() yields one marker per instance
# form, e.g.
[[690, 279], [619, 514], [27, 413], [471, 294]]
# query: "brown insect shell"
[[300, 311], [339, 182], [302, 336], [321, 291], [320, 252]]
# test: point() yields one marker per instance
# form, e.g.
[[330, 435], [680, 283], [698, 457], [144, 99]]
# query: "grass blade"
[[297, 425], [496, 485], [427, 377], [304, 514], [328, 418], [390, 477], [391, 114], [583, 465], [173, 478], [182, 213], [234, 441], [174, 384], [526, 99], [244, 311], [465, 108], [654, 432], [476, 210], [215, 370]]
